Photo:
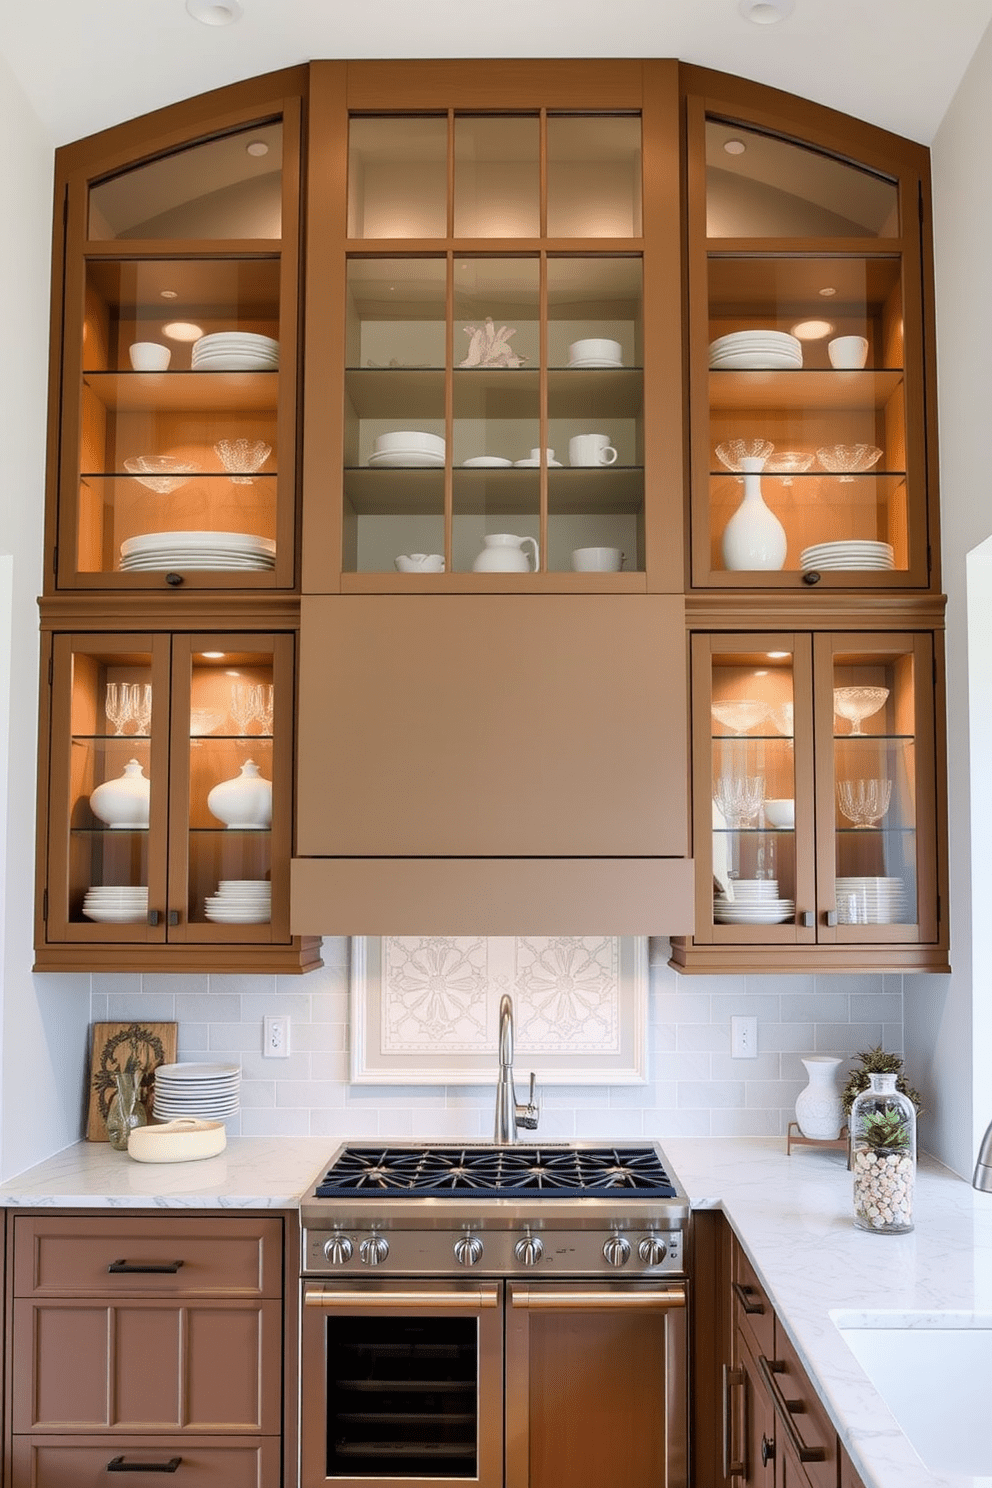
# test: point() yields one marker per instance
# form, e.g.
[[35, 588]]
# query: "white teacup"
[[591, 449], [149, 356], [420, 562], [597, 560], [848, 352], [596, 349]]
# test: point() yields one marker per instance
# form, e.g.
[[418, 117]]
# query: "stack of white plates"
[[407, 447], [755, 902], [240, 901], [235, 351], [207, 1091], [116, 905], [871, 901], [849, 554], [747, 350], [227, 550]]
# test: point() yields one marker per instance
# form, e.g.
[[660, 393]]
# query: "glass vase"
[[126, 1110], [883, 1157]]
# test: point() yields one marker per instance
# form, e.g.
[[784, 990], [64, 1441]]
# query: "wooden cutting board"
[[147, 1044]]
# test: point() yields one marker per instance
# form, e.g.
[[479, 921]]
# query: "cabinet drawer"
[[73, 1257], [753, 1313], [59, 1462], [803, 1422]]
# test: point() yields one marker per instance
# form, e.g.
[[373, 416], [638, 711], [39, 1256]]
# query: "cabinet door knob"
[[811, 576], [153, 917], [175, 579], [807, 919], [831, 917], [173, 917]]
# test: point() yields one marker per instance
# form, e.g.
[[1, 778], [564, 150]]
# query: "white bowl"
[[595, 348], [183, 1140], [781, 812], [406, 440], [420, 562]]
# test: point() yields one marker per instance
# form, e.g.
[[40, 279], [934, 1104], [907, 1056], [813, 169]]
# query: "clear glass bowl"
[[740, 714], [733, 451], [857, 703], [242, 458], [848, 460], [160, 473]]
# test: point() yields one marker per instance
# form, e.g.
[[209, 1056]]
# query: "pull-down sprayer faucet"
[[509, 1114], [983, 1167]]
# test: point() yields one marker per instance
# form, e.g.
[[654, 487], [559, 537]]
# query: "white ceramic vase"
[[123, 803], [245, 801], [819, 1108], [754, 537]]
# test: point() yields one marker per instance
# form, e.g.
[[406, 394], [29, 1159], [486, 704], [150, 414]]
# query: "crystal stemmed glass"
[[857, 703], [117, 705], [739, 798], [739, 714], [864, 802], [242, 458], [247, 705], [141, 705], [783, 719], [267, 713]]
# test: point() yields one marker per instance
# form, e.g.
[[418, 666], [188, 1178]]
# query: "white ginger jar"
[[245, 801], [123, 803]]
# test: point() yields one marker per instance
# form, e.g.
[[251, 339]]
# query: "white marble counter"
[[791, 1214]]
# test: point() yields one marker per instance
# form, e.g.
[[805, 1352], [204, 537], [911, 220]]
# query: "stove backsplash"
[[694, 1087]]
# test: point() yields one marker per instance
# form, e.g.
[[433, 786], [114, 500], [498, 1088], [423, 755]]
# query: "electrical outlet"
[[743, 1038], [275, 1038]]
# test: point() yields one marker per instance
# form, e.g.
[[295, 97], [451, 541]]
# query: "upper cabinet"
[[177, 435], [810, 461], [491, 394]]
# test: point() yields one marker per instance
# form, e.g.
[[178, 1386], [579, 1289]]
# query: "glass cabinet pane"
[[753, 788], [231, 710], [806, 379], [398, 177], [497, 176], [594, 176], [761, 186], [229, 187], [109, 787], [875, 767], [178, 416]]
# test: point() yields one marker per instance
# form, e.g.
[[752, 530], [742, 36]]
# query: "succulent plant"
[[876, 1061], [883, 1131]]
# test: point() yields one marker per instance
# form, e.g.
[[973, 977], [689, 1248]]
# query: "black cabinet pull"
[[153, 917], [117, 1464], [173, 917], [141, 1268], [746, 1298]]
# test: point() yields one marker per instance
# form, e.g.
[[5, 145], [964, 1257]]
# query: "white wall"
[[43, 1019]]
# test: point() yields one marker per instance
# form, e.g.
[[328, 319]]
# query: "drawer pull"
[[469, 1297], [787, 1410], [601, 1300], [731, 1378], [745, 1296], [143, 1268], [117, 1464]]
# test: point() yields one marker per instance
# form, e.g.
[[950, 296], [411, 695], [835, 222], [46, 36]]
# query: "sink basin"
[[933, 1372]]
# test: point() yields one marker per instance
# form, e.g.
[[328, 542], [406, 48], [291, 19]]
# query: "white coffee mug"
[[848, 352], [149, 356], [591, 449], [597, 560]]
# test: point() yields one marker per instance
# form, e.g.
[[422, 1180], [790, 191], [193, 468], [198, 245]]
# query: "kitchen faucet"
[[509, 1114], [983, 1167]]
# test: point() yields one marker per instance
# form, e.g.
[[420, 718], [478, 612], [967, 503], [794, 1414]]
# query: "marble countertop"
[[791, 1214]]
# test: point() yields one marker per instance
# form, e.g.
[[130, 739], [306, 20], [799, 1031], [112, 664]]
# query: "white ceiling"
[[85, 64]]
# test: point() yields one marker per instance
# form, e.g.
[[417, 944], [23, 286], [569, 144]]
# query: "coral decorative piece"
[[490, 347]]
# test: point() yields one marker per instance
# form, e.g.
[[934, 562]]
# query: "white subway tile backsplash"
[[694, 1088]]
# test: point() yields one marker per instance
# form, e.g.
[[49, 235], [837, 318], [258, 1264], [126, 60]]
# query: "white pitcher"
[[504, 553]]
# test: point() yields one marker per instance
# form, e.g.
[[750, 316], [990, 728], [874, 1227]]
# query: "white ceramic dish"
[[184, 1140], [394, 459], [486, 462], [247, 541], [104, 915], [409, 439], [236, 361], [781, 812], [182, 1070], [767, 361], [597, 348], [535, 464], [594, 362]]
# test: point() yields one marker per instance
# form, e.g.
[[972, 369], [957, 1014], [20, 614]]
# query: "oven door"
[[596, 1385], [401, 1381]]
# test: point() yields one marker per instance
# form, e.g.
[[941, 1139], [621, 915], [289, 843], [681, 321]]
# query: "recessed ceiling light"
[[257, 147], [812, 330], [765, 12], [827, 291], [168, 294], [182, 330], [214, 12], [735, 147]]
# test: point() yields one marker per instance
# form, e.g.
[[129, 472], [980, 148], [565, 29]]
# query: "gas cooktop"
[[496, 1172]]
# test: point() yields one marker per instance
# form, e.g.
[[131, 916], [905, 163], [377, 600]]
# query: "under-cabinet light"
[[257, 147], [213, 655], [812, 330], [182, 330], [735, 147]]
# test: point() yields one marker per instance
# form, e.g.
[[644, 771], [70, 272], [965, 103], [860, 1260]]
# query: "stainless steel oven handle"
[[673, 1296], [482, 1296]]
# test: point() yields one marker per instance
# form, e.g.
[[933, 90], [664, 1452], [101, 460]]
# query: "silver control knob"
[[468, 1250], [616, 1251], [529, 1250], [652, 1250], [338, 1249], [374, 1250]]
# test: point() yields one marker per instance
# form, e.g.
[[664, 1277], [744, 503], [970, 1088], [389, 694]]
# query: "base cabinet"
[[83, 1463]]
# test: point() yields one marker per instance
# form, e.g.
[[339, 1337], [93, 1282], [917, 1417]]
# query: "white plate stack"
[[240, 901], [116, 905], [849, 554], [756, 350], [756, 902], [197, 550], [207, 1091], [871, 901], [407, 447], [235, 351]]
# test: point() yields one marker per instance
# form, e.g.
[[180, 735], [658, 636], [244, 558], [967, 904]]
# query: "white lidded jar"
[[123, 803], [754, 537], [820, 1106], [245, 801]]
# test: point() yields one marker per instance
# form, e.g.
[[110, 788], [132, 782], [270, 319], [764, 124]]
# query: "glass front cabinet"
[[816, 819]]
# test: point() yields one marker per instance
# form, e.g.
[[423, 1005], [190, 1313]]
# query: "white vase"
[[123, 803], [754, 537], [245, 801], [819, 1108]]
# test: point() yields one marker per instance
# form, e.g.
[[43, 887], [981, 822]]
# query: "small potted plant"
[[883, 1156], [876, 1061]]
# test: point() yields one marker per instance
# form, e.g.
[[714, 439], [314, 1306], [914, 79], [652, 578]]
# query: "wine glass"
[[267, 713], [857, 703], [864, 802], [247, 705], [739, 714], [141, 705], [117, 705], [739, 798], [242, 458]]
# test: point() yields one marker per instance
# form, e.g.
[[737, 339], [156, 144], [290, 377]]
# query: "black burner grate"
[[499, 1172]]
